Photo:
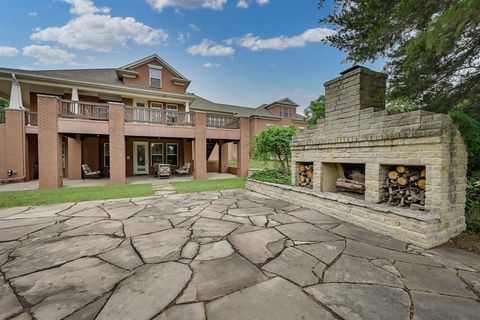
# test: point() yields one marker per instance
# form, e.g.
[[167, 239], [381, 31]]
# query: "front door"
[[140, 158]]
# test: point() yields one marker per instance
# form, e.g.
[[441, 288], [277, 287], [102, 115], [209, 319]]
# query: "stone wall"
[[357, 129]]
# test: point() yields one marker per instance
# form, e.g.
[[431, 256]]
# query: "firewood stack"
[[305, 175], [405, 187], [351, 179]]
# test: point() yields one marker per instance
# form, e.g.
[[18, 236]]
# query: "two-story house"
[[122, 121]]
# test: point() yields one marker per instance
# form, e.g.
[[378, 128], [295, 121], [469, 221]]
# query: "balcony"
[[159, 116], [82, 117]]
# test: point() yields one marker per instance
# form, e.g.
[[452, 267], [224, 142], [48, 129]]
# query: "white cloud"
[[33, 14], [8, 51], [210, 48], [48, 55], [262, 2], [159, 5], [194, 27], [242, 4], [101, 32], [211, 65], [81, 7], [255, 43]]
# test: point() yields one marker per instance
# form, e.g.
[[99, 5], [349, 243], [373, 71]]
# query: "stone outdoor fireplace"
[[402, 175]]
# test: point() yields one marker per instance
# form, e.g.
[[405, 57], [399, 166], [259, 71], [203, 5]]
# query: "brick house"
[[121, 121]]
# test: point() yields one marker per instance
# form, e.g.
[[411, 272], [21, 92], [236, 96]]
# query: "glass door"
[[140, 158]]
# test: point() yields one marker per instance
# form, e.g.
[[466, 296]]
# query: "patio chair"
[[155, 169], [184, 170], [164, 171], [89, 174]]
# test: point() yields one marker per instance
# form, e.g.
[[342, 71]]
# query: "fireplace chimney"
[[356, 89]]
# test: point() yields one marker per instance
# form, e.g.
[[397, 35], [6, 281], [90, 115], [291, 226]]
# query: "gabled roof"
[[284, 101], [178, 75]]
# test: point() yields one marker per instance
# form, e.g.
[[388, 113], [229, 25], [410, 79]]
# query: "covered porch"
[[68, 183]]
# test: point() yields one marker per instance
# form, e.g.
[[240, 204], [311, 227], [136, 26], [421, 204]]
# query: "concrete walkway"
[[220, 255]]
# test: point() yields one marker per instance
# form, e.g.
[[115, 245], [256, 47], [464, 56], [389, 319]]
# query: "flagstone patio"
[[220, 255]]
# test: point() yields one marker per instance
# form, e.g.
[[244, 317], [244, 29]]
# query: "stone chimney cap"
[[353, 68]]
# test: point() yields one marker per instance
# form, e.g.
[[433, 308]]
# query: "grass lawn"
[[255, 164], [208, 185], [49, 196]]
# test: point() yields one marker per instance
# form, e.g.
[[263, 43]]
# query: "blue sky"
[[244, 52]]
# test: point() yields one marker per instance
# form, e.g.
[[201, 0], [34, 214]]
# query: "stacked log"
[[352, 180], [305, 175], [405, 187]]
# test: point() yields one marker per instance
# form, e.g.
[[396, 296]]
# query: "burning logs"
[[405, 187], [305, 175]]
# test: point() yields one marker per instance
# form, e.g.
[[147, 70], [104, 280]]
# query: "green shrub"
[[271, 175], [401, 105], [470, 129], [472, 210]]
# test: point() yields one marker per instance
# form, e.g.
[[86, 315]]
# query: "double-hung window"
[[172, 115], [286, 112], [157, 153], [106, 155], [172, 154], [155, 77]]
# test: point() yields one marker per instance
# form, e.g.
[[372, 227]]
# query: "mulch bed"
[[468, 241]]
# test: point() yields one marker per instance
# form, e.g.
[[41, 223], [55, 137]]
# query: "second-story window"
[[155, 77], [286, 112]]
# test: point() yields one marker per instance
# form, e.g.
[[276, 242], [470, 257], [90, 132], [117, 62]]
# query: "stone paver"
[[56, 293], [275, 299], [361, 301], [161, 246], [294, 265], [258, 246], [230, 254], [145, 293], [359, 270]]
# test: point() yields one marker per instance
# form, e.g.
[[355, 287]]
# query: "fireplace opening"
[[404, 186], [347, 178], [304, 174]]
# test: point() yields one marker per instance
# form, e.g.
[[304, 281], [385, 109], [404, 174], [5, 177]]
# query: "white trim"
[[156, 102], [171, 105], [151, 152], [136, 168], [155, 66], [150, 69]]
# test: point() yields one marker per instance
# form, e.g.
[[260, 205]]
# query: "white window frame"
[[159, 105], [171, 107], [155, 154], [152, 67], [288, 113], [166, 154], [105, 164]]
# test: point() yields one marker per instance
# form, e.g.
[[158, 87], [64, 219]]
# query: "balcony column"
[[243, 148], [200, 163], [74, 158], [75, 106], [187, 110], [118, 173], [50, 166], [223, 161], [15, 142]]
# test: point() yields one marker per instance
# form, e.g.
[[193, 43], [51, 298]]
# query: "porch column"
[[187, 151], [200, 163], [223, 161], [118, 174], [50, 166], [74, 158], [243, 148], [15, 142]]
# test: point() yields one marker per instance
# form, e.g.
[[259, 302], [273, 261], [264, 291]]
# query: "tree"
[[431, 46], [274, 143], [316, 110], [3, 103]]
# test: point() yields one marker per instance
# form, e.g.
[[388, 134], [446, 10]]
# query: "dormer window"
[[286, 112], [155, 76]]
